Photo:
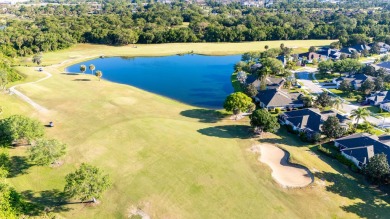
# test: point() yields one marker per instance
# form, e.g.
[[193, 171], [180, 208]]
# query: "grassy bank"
[[173, 160], [82, 51]]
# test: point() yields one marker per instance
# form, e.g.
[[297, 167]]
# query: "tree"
[[379, 84], [45, 152], [92, 68], [99, 74], [325, 66], [3, 79], [37, 59], [275, 66], [367, 86], [345, 86], [343, 56], [237, 102], [355, 55], [323, 99], [263, 121], [83, 68], [312, 49], [241, 77], [359, 113], [18, 128], [308, 100], [266, 47], [375, 49], [377, 168], [86, 183], [337, 103], [332, 128], [250, 90]]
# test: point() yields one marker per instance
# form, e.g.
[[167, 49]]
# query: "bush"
[[359, 98], [277, 110]]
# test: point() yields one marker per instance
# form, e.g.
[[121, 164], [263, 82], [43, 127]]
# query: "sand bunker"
[[286, 174]]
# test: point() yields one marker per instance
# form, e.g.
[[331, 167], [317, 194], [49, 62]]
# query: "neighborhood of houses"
[[359, 147]]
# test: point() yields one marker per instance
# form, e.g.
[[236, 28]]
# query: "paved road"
[[26, 98], [305, 78]]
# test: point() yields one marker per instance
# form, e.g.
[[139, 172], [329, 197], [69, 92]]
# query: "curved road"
[[26, 98]]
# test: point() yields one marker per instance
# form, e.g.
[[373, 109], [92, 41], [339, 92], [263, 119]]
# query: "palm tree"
[[92, 68], [83, 68], [359, 113], [337, 103], [308, 100], [99, 74]]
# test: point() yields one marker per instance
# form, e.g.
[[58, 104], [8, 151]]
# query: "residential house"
[[360, 147], [310, 56], [356, 80], [277, 98], [384, 48], [348, 51], [271, 82], [329, 53], [310, 120], [378, 98]]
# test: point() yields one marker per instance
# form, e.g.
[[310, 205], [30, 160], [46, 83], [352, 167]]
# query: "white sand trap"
[[286, 174]]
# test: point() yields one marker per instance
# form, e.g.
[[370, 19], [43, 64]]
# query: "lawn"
[[173, 160], [376, 110], [82, 51], [326, 77], [344, 95]]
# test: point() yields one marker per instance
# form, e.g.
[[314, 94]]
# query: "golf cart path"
[[26, 98], [286, 174]]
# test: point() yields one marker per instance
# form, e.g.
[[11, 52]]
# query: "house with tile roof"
[[360, 147]]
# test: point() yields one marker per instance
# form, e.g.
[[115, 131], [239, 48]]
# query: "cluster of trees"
[[53, 27], [98, 73], [86, 183]]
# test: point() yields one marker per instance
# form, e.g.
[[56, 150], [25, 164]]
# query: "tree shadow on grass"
[[48, 201], [204, 115], [65, 73], [283, 137], [373, 204], [19, 165], [82, 79], [228, 131]]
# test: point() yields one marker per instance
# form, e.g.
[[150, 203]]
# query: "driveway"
[[305, 78]]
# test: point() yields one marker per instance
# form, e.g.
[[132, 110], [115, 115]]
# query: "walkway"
[[25, 98]]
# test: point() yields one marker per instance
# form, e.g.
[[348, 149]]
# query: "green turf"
[[173, 160]]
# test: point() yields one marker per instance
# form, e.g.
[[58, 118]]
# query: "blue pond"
[[202, 81]]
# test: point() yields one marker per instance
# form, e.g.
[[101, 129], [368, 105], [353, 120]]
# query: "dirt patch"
[[288, 175]]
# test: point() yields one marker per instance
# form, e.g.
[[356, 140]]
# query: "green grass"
[[174, 160], [87, 51], [344, 95], [325, 77], [376, 110]]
